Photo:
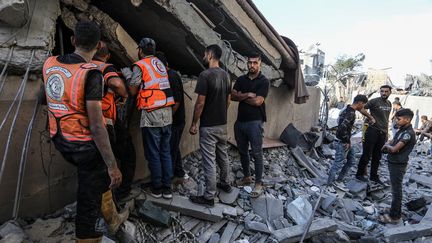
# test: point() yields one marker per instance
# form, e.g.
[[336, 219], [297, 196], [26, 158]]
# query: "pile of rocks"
[[293, 182]]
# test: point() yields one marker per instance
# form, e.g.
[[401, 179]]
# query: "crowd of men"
[[90, 103]]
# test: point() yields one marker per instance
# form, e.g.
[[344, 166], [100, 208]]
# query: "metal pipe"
[[23, 161], [25, 78], [309, 223]]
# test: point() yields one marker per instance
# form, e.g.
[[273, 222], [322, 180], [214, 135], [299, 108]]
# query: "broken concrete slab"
[[301, 158], [299, 210], [228, 232], [428, 216], [186, 207], [352, 231], [421, 179], [357, 188], [237, 232], [215, 238], [210, 231], [229, 197], [12, 232], [257, 227], [42, 229], [14, 12], [150, 213], [268, 208], [294, 233], [408, 232]]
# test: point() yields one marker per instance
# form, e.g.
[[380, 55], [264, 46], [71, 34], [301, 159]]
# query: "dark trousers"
[[157, 152], [93, 181], [176, 134], [373, 142], [397, 172], [124, 151], [245, 133]]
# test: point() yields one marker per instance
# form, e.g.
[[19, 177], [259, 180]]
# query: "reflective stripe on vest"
[[155, 90], [64, 86]]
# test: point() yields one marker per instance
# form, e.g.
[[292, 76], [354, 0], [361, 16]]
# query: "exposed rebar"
[[8, 141], [9, 58]]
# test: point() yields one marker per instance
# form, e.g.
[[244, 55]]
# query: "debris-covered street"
[[343, 214]]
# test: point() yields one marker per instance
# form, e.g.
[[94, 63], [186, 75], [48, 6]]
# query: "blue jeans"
[[342, 154], [245, 133], [156, 142]]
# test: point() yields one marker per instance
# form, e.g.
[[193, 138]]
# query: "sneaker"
[[156, 192], [202, 200], [167, 194], [362, 178], [377, 181], [224, 187]]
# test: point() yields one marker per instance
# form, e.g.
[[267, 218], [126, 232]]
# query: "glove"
[[127, 73]]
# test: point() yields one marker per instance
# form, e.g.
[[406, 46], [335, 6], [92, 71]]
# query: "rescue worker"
[[149, 81], [74, 90], [114, 90]]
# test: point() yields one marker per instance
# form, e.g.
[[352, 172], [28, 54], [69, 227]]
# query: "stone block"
[[357, 188], [257, 227], [299, 210], [268, 208], [294, 233], [229, 198], [152, 214]]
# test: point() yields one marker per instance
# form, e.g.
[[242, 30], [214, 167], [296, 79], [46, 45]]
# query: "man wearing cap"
[[149, 81]]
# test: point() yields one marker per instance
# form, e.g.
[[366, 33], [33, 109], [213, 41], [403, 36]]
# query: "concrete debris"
[[294, 233], [421, 179], [267, 207], [299, 210], [257, 227], [229, 198], [357, 188], [13, 12], [148, 212], [408, 232], [12, 232]]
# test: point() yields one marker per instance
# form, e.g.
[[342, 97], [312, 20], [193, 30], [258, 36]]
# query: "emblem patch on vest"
[[158, 66], [55, 87]]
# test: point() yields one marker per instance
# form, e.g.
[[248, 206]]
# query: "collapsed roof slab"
[[14, 12], [38, 34], [181, 31]]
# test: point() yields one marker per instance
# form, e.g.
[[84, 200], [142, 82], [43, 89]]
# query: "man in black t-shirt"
[[250, 90], [398, 151], [213, 89], [178, 123], [375, 135]]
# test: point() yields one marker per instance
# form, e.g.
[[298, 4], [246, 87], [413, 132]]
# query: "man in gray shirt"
[[213, 89], [376, 134]]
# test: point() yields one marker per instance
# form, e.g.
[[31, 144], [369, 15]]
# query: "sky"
[[393, 34]]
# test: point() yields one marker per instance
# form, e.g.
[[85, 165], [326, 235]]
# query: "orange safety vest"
[[155, 89], [64, 86], [108, 101]]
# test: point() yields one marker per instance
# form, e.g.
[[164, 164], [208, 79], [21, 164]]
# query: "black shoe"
[[377, 181], [167, 194], [202, 200], [156, 192], [224, 187], [362, 178]]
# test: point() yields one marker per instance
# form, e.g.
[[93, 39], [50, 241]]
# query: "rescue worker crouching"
[[74, 90], [149, 81]]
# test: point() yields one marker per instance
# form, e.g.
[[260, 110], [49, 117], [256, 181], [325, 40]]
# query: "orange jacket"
[[108, 101], [64, 86], [155, 89]]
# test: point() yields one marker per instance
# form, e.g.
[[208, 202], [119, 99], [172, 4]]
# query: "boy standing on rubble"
[[398, 151], [344, 151]]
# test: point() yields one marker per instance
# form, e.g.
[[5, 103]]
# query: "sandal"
[[386, 219], [257, 191], [245, 181]]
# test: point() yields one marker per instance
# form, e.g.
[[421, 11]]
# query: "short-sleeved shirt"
[[407, 136], [157, 118], [346, 121], [214, 84], [176, 85], [380, 109], [93, 91], [258, 86]]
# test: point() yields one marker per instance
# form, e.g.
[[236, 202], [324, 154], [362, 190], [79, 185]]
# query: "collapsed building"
[[34, 178]]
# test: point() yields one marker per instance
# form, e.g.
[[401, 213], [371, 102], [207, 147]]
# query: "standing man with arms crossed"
[[154, 98], [74, 90], [213, 89], [375, 135], [250, 90], [398, 150]]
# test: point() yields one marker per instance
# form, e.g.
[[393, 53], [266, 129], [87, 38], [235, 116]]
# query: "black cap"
[[145, 42]]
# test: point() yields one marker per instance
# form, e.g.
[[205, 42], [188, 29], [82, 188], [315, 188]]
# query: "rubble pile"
[[293, 182]]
